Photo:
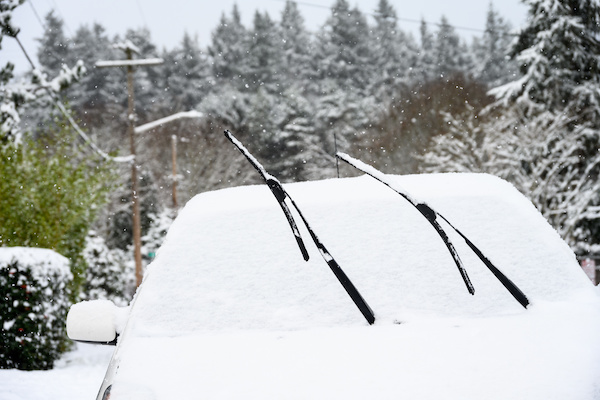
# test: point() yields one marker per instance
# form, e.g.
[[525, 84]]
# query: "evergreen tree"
[[265, 55], [99, 90], [394, 52], [296, 44], [343, 48], [557, 53], [493, 65], [425, 67], [54, 45], [185, 75], [544, 133], [228, 49], [450, 53]]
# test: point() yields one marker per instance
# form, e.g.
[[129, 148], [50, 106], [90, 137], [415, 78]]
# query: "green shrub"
[[51, 189], [34, 288]]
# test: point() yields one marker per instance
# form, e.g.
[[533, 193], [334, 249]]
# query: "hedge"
[[34, 288]]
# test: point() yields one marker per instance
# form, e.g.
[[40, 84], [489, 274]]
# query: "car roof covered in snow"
[[229, 305]]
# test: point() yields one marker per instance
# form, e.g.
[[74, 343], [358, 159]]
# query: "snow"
[[160, 122], [229, 309], [95, 320], [129, 63], [43, 262], [76, 376]]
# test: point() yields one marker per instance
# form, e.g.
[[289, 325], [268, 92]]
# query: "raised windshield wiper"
[[430, 214], [281, 195]]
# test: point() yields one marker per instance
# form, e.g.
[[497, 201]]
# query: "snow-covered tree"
[[296, 44], [110, 272], [425, 64], [185, 75], [154, 237], [343, 53], [54, 45], [460, 149], [493, 65], [265, 56], [14, 96], [228, 48], [451, 54], [393, 51], [558, 53], [544, 132]]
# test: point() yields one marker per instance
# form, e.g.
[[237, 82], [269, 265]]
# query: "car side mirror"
[[96, 321]]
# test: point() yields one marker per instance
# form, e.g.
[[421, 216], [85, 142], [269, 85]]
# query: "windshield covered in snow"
[[229, 262]]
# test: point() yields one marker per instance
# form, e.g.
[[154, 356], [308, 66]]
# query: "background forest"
[[521, 105]]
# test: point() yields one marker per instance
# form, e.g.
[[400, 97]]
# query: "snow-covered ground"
[[76, 376]]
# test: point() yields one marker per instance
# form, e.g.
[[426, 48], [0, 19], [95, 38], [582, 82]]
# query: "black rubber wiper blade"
[[431, 215], [281, 195], [276, 189]]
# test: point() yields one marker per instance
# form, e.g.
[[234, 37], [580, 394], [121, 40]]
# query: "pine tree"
[[493, 65], [557, 100], [185, 75], [93, 99], [54, 45], [343, 48], [557, 53], [394, 52], [265, 57], [296, 45], [228, 48], [450, 53], [425, 66]]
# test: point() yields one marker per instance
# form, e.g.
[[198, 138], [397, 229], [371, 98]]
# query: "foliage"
[[159, 227], [407, 127], [110, 273], [50, 192], [34, 287]]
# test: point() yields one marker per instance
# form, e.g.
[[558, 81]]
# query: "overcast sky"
[[169, 19]]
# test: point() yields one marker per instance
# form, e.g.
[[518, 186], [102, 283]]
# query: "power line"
[[68, 116], [37, 16], [62, 16], [415, 21], [139, 6]]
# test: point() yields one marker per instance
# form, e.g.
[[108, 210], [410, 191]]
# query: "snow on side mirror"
[[95, 321]]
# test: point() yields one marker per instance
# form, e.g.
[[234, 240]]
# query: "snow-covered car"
[[229, 308]]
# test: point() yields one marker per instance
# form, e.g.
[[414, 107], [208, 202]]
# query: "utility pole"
[[159, 123], [129, 49], [174, 168]]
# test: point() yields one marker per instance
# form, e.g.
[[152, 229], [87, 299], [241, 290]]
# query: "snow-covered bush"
[[110, 273], [34, 288], [157, 231]]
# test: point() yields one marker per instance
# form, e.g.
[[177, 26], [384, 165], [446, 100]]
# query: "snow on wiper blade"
[[431, 215], [276, 188], [281, 195]]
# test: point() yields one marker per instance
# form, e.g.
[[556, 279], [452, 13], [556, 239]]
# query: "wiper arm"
[[430, 214], [281, 195]]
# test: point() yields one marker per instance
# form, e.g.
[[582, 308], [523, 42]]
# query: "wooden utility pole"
[[174, 168], [160, 122], [130, 63]]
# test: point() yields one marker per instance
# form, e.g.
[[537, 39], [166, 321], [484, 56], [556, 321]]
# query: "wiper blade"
[[430, 214], [276, 189], [281, 195]]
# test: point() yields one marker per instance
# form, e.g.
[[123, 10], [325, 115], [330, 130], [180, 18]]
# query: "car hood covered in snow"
[[229, 309]]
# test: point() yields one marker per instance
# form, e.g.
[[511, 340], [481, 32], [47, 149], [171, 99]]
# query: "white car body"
[[229, 309]]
